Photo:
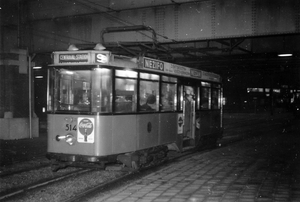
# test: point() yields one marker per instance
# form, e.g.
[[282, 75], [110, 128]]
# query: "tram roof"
[[95, 57]]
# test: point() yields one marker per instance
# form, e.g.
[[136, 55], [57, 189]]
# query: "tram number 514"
[[70, 127]]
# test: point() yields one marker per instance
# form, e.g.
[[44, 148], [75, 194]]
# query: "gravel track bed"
[[20, 180], [63, 190], [21, 166]]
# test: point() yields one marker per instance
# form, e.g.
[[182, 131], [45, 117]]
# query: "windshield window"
[[72, 90]]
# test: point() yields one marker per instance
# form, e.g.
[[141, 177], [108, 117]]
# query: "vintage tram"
[[104, 107]]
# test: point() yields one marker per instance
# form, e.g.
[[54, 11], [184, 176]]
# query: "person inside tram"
[[85, 99], [189, 97], [149, 101]]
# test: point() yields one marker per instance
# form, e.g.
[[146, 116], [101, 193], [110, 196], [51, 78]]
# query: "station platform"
[[264, 166]]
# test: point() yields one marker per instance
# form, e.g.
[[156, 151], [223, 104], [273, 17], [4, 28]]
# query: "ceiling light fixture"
[[37, 67], [285, 55]]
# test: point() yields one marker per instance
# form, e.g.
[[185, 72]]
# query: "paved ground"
[[263, 168]]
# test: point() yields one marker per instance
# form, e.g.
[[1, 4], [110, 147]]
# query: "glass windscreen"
[[80, 90]]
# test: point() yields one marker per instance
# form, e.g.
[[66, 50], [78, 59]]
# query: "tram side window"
[[168, 97], [205, 95], [180, 97], [215, 104], [102, 90], [198, 98], [125, 91], [149, 92], [168, 94]]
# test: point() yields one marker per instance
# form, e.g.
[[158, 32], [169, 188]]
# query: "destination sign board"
[[80, 57], [73, 58]]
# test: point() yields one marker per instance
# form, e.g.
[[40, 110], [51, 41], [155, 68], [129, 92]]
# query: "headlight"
[[70, 139]]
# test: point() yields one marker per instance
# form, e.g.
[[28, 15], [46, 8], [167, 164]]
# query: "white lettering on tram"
[[85, 125], [101, 58], [73, 57], [181, 70], [153, 64]]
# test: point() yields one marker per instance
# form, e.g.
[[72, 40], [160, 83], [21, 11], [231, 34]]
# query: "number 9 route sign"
[[85, 130]]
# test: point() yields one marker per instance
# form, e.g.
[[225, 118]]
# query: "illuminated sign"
[[81, 57], [73, 58], [101, 58]]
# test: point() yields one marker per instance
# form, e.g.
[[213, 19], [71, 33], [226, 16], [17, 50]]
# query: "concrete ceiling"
[[215, 35]]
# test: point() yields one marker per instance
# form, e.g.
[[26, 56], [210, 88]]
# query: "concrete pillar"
[[14, 96]]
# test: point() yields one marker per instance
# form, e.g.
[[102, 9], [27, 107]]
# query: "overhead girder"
[[181, 20], [161, 48], [178, 22], [213, 33], [233, 44]]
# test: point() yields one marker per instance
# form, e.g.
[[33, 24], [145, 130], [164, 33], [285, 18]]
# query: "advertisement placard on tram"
[[85, 130], [178, 70]]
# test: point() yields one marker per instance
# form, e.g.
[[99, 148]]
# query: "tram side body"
[[119, 134], [112, 134]]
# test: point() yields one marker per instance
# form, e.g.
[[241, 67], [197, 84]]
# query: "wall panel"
[[233, 18], [276, 16], [194, 21]]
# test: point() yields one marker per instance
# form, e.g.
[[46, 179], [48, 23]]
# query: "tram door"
[[189, 116]]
